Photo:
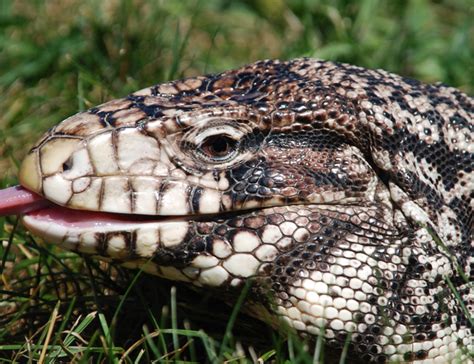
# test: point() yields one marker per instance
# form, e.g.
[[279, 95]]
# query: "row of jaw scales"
[[323, 199]]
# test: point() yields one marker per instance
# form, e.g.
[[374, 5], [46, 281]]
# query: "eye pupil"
[[220, 146]]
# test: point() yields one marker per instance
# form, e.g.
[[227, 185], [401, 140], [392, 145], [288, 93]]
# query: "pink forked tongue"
[[18, 200]]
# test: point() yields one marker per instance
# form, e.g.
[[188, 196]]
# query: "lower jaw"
[[125, 237], [83, 231]]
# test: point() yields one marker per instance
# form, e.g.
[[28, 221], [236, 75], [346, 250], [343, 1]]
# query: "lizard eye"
[[218, 148]]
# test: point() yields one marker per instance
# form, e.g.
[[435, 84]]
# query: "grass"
[[61, 57]]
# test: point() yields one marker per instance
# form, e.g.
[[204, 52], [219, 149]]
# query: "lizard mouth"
[[110, 235], [78, 229], [18, 200]]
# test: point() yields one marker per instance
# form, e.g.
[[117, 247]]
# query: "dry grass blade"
[[52, 322], [137, 344]]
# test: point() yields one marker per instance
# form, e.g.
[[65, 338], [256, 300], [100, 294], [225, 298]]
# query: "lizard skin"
[[344, 193]]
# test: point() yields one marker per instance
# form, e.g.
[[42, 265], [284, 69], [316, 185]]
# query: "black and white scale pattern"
[[346, 194]]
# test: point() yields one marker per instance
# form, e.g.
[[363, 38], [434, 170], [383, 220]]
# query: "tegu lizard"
[[345, 194]]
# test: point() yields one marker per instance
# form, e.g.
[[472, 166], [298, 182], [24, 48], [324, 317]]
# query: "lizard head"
[[204, 176]]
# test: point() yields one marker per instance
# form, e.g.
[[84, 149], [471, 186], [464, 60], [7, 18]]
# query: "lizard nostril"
[[67, 165]]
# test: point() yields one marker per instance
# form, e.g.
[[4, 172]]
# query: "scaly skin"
[[345, 193]]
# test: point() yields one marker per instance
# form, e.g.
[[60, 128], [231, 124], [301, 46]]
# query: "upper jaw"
[[141, 181]]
